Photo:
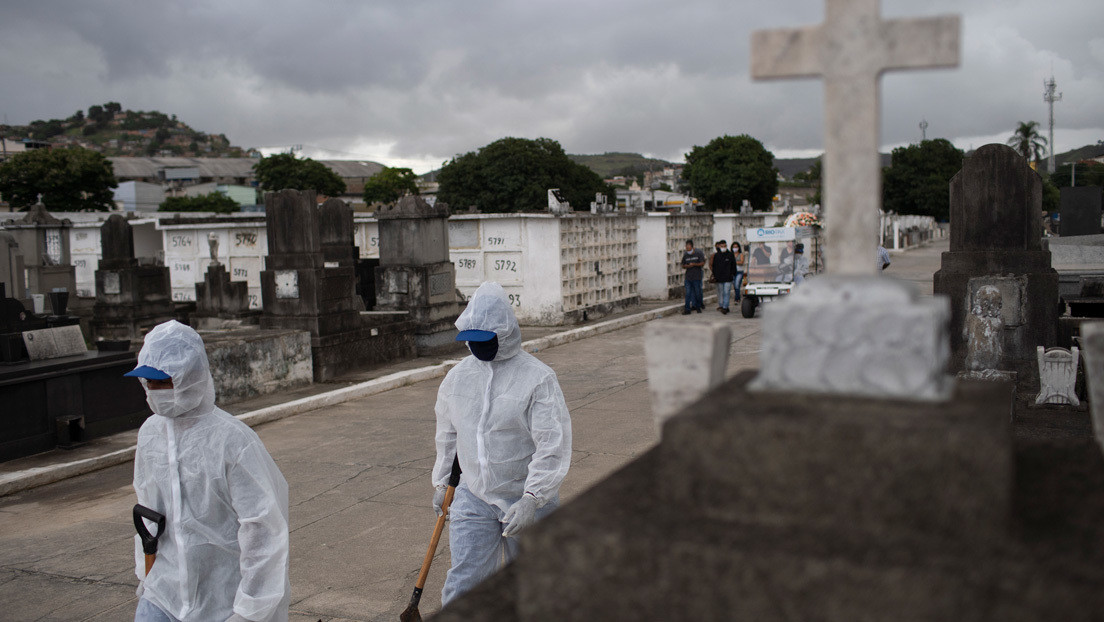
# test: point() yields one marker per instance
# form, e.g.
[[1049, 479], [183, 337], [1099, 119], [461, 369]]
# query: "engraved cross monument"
[[851, 50], [852, 332]]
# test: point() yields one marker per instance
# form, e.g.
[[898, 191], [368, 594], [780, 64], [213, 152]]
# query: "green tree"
[[1028, 142], [515, 174], [1088, 173], [97, 114], [214, 202], [1052, 197], [70, 180], [917, 181], [283, 170], [730, 169], [388, 185]]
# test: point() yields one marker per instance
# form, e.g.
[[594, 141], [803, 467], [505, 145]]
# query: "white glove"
[[439, 499], [236, 618], [141, 589], [520, 515]]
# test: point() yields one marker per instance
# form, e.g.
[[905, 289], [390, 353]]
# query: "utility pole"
[[923, 130], [1050, 97]]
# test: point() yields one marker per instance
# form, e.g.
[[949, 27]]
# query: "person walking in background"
[[883, 258], [692, 261], [722, 266], [740, 262]]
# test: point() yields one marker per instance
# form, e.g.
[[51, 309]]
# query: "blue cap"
[[147, 372], [476, 335]]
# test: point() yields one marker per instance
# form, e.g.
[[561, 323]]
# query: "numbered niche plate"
[[247, 243], [469, 268], [184, 273], [504, 268], [180, 243]]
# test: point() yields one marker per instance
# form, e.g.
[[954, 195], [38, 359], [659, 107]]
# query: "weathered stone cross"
[[851, 50]]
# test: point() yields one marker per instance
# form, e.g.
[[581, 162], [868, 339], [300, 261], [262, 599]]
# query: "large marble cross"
[[851, 50]]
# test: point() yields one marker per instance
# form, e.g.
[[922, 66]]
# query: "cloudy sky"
[[415, 82]]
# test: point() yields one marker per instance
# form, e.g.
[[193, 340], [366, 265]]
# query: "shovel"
[[411, 613], [149, 541]]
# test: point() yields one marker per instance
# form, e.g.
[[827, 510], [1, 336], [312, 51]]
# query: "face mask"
[[162, 402], [484, 350]]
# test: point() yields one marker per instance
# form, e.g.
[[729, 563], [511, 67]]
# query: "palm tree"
[[1028, 142]]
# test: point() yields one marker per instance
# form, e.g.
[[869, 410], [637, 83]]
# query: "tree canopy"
[[515, 174], [214, 202], [1028, 142], [283, 170], [70, 180], [730, 169], [917, 181], [390, 184]]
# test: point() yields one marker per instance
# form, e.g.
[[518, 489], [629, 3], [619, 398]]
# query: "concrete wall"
[[250, 362], [1077, 251], [520, 252]]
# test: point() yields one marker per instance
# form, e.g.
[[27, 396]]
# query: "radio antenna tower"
[[923, 130], [1050, 97]]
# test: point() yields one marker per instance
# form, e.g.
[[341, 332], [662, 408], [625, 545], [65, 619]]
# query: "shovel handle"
[[454, 481], [149, 540], [437, 530]]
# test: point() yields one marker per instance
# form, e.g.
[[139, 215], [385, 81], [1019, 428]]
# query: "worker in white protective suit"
[[501, 410], [224, 553]]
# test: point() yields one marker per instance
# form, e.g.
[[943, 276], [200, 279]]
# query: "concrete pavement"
[[358, 474]]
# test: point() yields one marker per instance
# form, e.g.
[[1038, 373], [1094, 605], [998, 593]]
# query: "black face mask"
[[484, 350]]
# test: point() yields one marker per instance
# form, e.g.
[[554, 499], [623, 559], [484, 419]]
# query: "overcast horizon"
[[414, 84]]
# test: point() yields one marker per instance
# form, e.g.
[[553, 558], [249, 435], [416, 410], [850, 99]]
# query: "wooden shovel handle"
[[436, 537], [149, 561]]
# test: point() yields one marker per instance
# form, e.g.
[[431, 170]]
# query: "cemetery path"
[[358, 475]]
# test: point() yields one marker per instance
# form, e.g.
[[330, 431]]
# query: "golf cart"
[[771, 270]]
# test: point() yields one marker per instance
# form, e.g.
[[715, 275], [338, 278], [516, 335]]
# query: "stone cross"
[[851, 50]]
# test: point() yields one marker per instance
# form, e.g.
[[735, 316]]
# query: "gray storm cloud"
[[423, 81]]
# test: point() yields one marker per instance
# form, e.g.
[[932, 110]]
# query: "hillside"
[[611, 164], [113, 132], [1076, 155]]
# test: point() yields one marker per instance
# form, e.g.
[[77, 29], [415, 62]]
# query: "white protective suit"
[[225, 546], [506, 417]]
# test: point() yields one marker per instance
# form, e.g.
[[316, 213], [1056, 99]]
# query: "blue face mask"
[[484, 350]]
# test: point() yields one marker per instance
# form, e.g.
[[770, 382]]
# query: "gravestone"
[[1058, 376], [1080, 210], [684, 362], [52, 343], [557, 204], [415, 272], [11, 266], [301, 290], [131, 297], [44, 242], [996, 240], [1092, 347]]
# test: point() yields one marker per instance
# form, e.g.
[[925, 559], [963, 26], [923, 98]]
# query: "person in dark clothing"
[[692, 261], [723, 267]]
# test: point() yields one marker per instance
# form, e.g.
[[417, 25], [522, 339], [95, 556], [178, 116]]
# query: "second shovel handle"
[[440, 527]]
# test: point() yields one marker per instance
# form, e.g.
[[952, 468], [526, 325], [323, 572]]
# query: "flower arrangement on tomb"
[[802, 219]]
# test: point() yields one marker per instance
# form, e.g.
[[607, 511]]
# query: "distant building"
[[139, 196], [12, 146], [179, 173], [243, 195]]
